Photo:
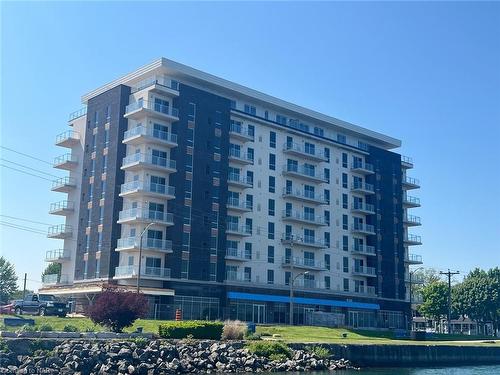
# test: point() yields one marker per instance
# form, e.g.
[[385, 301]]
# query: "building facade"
[[234, 199]]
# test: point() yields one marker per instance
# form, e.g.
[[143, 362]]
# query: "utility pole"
[[449, 274], [24, 287]]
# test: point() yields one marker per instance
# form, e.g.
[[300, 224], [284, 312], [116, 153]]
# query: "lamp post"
[[140, 255], [411, 295], [292, 280]]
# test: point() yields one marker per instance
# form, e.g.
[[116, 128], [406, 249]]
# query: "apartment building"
[[219, 200]]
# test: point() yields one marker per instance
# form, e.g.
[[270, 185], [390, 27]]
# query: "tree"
[[52, 269], [435, 300], [8, 280], [117, 309], [428, 275], [478, 298]]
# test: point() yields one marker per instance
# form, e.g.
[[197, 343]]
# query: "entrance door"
[[259, 313], [353, 319]]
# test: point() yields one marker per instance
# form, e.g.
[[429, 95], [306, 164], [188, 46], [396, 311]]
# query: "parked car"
[[41, 304]]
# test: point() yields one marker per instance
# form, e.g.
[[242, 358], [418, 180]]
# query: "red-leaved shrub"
[[116, 309]]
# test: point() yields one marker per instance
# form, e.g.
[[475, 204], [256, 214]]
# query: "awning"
[[302, 301]]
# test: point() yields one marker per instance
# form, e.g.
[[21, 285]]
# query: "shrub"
[[117, 309], [234, 330], [27, 328], [70, 328], [253, 336], [140, 342], [199, 329], [278, 357], [3, 346], [45, 328], [268, 348], [320, 352]]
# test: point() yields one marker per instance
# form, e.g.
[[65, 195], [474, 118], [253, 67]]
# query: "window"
[[288, 275], [345, 201], [341, 138], [270, 276], [270, 207], [272, 184], [106, 137], [327, 217], [99, 241], [250, 109], [281, 119], [346, 285], [91, 190], [270, 231], [327, 174], [108, 112], [272, 162], [270, 254], [97, 267], [327, 239], [191, 111], [104, 163], [327, 195], [233, 104], [101, 214], [318, 131], [87, 243], [345, 243], [344, 180], [345, 224], [266, 114], [344, 160], [345, 264], [85, 268], [327, 261], [327, 282], [103, 188], [272, 139], [248, 250], [247, 274], [96, 117]]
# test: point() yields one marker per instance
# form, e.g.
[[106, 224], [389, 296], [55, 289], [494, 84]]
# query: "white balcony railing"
[[65, 160], [235, 228], [67, 138], [304, 195], [238, 155], [147, 243], [146, 272], [303, 217], [155, 107], [59, 231], [309, 152], [237, 129], [143, 214], [147, 187], [63, 184], [150, 132], [237, 204], [57, 255], [364, 270], [149, 159], [62, 206], [235, 178], [305, 172], [303, 240], [363, 187], [364, 249], [302, 263], [363, 228], [362, 167], [54, 279]]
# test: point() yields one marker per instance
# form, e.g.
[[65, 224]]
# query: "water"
[[463, 370]]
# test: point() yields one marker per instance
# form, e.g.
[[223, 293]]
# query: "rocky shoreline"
[[151, 357]]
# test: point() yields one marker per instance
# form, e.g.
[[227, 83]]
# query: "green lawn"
[[299, 334]]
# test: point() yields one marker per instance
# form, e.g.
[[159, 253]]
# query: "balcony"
[[162, 86], [235, 277], [152, 273], [55, 279], [360, 249], [414, 278], [364, 271], [237, 180], [238, 230], [69, 138], [301, 217], [141, 188], [146, 134], [362, 208], [412, 239], [237, 205], [237, 131], [414, 259], [62, 208], [149, 244], [300, 150], [362, 168], [236, 255], [410, 202], [143, 215], [406, 162], [303, 263], [139, 160], [304, 196], [410, 183], [362, 188], [361, 228], [411, 220], [64, 184], [77, 114], [308, 241], [239, 157], [367, 291], [304, 173], [139, 110], [66, 161], [57, 256], [60, 231]]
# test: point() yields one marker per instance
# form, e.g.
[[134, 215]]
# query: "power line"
[[31, 174], [29, 221], [28, 156], [20, 227], [33, 169]]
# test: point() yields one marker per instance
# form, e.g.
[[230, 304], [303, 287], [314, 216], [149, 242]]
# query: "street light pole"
[[140, 255], [292, 281]]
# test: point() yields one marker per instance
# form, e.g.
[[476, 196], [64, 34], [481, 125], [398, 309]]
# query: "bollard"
[[178, 314]]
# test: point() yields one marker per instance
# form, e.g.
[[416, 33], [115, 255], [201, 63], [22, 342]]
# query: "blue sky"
[[426, 73]]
